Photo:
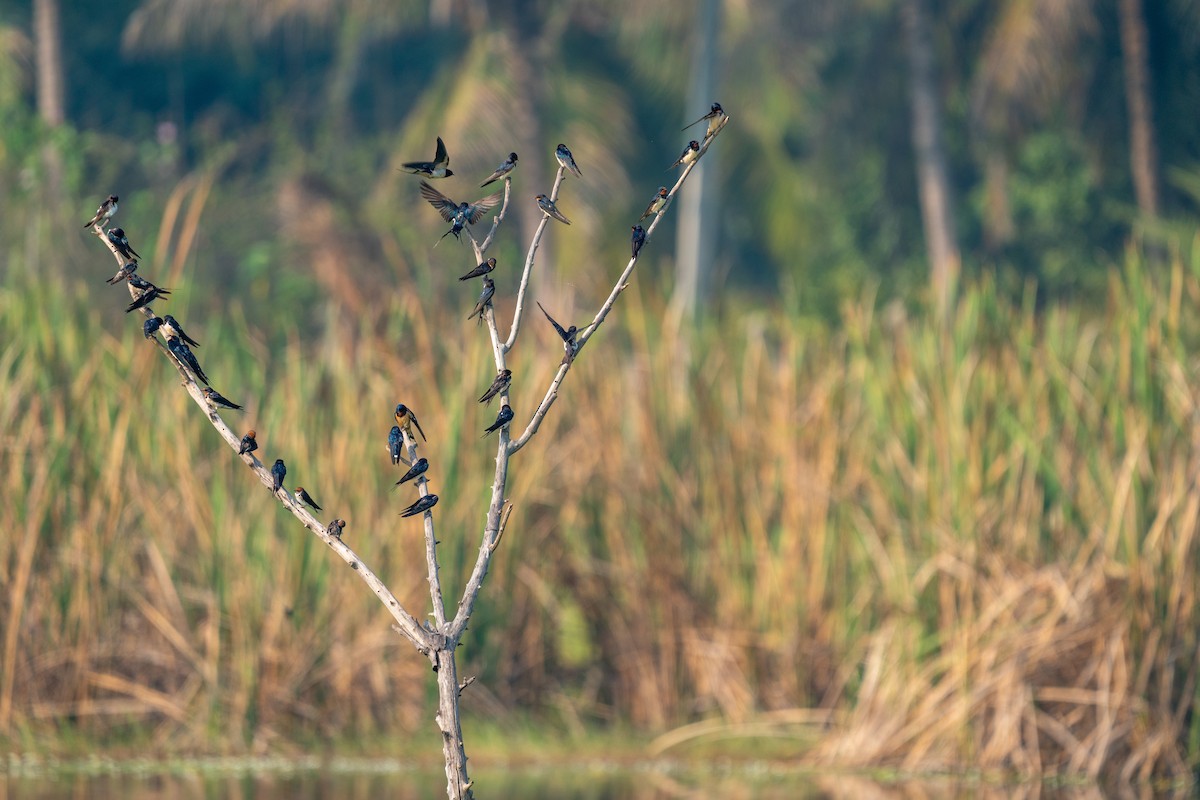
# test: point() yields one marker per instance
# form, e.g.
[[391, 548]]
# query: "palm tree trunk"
[[1143, 158]]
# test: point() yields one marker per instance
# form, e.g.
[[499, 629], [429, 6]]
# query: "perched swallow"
[[638, 239], [567, 160], [182, 352], [304, 497], [656, 205], [127, 269], [335, 528], [548, 206], [485, 298], [416, 469], [716, 120], [508, 166], [503, 418], [424, 504], [120, 241], [104, 212], [173, 328], [151, 326], [395, 442], [405, 416], [278, 471], [482, 269], [432, 169], [216, 398], [248, 444], [690, 154], [568, 335], [143, 292], [458, 214], [501, 384]]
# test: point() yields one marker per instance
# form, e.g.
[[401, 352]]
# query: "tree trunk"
[[933, 180], [458, 785], [46, 27], [1143, 158]]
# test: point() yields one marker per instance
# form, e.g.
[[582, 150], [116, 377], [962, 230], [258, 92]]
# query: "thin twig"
[[518, 312]]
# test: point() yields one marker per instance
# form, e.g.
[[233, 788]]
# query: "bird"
[[416, 469], [508, 166], [278, 472], [120, 241], [248, 444], [551, 209], [433, 169], [423, 504], [568, 335], [151, 326], [482, 269], [485, 298], [104, 212], [335, 528], [690, 154], [637, 239], [395, 442], [143, 292], [182, 352], [173, 328], [716, 120], [503, 418], [458, 214], [656, 205], [500, 384], [563, 154], [217, 399], [304, 497], [127, 269], [405, 417]]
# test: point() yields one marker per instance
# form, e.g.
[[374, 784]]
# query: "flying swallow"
[[500, 384], [143, 292], [151, 326], [508, 166], [405, 416], [656, 205], [638, 239], [424, 504], [304, 497], [567, 160], [335, 528], [485, 298], [690, 154], [395, 442], [416, 469], [104, 212], [716, 120], [458, 214], [278, 471], [217, 399], [173, 328], [186, 357], [120, 241], [432, 169], [548, 206], [503, 418], [248, 444], [127, 269], [482, 269], [568, 335]]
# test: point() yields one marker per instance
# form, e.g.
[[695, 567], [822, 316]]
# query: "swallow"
[[104, 212], [173, 328], [568, 335], [304, 497], [690, 154], [637, 239], [482, 269], [127, 269], [143, 292], [335, 528], [458, 214], [186, 357], [508, 166], [432, 169], [567, 160], [656, 205], [248, 444], [485, 298], [278, 471], [551, 210], [424, 504], [217, 399], [716, 120], [395, 442], [405, 416], [151, 326], [503, 418], [118, 239], [416, 469], [501, 384]]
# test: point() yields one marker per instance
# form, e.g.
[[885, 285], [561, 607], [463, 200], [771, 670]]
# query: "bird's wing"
[[444, 205], [482, 206], [441, 157]]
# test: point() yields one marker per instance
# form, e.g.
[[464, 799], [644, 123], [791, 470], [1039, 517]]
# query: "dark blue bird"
[[121, 242], [459, 215], [151, 326], [278, 472], [638, 239], [416, 469], [503, 418], [186, 357], [567, 160], [395, 442], [424, 504], [508, 166]]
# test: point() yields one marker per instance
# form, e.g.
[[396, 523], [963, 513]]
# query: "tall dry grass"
[[974, 548]]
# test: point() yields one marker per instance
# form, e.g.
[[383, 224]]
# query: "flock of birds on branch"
[[459, 215]]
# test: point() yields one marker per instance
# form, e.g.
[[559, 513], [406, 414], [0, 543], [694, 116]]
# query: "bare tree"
[[1143, 156]]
